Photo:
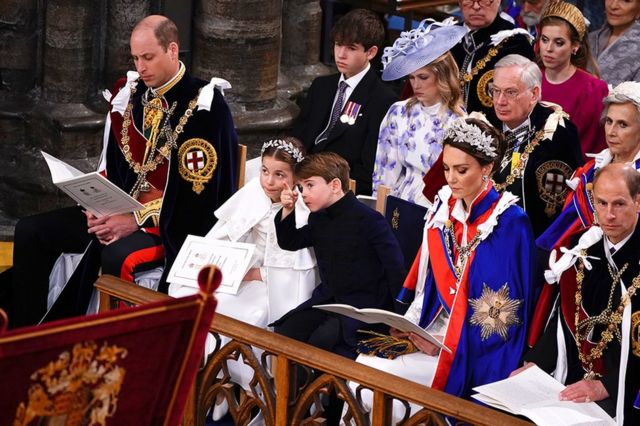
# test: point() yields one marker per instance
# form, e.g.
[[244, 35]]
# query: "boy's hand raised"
[[288, 198]]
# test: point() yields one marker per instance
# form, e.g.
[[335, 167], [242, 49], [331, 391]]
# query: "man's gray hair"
[[531, 75]]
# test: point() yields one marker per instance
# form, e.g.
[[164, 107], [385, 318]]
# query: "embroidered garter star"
[[494, 311]]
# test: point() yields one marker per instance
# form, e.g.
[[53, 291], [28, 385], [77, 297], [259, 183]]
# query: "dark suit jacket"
[[356, 143], [359, 259]]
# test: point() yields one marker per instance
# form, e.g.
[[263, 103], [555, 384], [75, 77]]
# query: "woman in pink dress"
[[564, 55]]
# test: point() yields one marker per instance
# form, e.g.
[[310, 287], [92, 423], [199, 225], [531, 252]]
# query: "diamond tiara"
[[462, 132], [285, 146]]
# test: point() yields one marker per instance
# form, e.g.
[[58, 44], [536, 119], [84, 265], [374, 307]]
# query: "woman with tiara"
[[278, 280], [471, 280], [410, 138]]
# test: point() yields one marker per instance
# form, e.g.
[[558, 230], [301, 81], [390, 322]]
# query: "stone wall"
[[58, 56]]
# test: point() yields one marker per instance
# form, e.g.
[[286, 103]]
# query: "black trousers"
[[314, 327], [39, 240]]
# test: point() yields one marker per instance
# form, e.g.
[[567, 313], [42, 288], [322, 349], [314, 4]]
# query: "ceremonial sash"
[[137, 145], [453, 292], [568, 287]]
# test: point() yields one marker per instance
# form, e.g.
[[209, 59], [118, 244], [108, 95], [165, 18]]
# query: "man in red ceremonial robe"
[[170, 143], [591, 343]]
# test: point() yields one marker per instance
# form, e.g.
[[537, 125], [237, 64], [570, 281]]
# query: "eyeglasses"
[[510, 94], [484, 3]]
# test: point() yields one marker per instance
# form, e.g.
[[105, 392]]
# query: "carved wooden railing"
[[281, 398]]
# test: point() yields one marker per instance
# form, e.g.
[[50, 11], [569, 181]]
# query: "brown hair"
[[498, 143], [280, 154], [630, 175], [327, 165], [447, 74], [359, 26], [583, 57]]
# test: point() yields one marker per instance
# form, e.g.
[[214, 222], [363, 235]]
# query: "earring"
[[485, 178]]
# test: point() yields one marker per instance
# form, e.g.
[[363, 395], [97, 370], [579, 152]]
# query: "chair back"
[[407, 222], [242, 164], [130, 366]]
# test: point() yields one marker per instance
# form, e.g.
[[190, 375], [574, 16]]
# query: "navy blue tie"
[[335, 113]]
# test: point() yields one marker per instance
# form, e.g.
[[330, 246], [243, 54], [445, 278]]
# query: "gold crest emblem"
[[198, 159], [81, 387], [495, 312], [482, 89], [635, 333], [395, 219], [551, 178]]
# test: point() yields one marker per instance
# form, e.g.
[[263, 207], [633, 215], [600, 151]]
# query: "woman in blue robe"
[[474, 273]]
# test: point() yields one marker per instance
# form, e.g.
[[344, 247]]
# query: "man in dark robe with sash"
[[592, 342], [490, 38], [170, 143], [543, 148]]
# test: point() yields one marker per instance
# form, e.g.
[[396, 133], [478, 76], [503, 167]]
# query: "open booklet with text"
[[92, 191], [380, 316], [534, 394], [232, 258]]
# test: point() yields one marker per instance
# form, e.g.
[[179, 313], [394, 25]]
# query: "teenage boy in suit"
[[343, 112]]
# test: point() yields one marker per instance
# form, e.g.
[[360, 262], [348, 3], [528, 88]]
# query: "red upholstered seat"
[[134, 366]]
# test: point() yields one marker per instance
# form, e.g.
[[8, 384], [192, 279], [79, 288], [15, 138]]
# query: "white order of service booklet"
[[380, 316], [92, 191], [534, 394], [232, 258]]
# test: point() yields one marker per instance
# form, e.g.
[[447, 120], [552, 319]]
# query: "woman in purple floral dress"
[[410, 138]]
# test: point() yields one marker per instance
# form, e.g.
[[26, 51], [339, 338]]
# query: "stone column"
[[64, 60], [301, 31], [18, 44], [68, 49], [240, 41], [122, 16]]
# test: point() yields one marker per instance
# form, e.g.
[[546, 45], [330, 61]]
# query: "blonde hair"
[[446, 72]]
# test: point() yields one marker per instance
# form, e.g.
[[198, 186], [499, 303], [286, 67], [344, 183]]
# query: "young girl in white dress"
[[278, 280]]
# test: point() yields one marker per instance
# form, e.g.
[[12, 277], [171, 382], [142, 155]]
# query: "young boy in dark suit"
[[342, 112], [359, 259]]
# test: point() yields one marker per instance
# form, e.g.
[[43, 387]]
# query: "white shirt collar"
[[609, 245], [353, 81], [526, 122]]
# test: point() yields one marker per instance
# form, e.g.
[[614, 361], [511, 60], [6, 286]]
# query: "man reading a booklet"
[[169, 143], [592, 342]]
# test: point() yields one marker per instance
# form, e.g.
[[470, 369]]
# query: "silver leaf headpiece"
[[285, 146], [462, 132]]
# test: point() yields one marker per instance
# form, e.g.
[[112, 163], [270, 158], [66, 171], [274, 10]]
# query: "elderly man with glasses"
[[543, 148], [490, 38]]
